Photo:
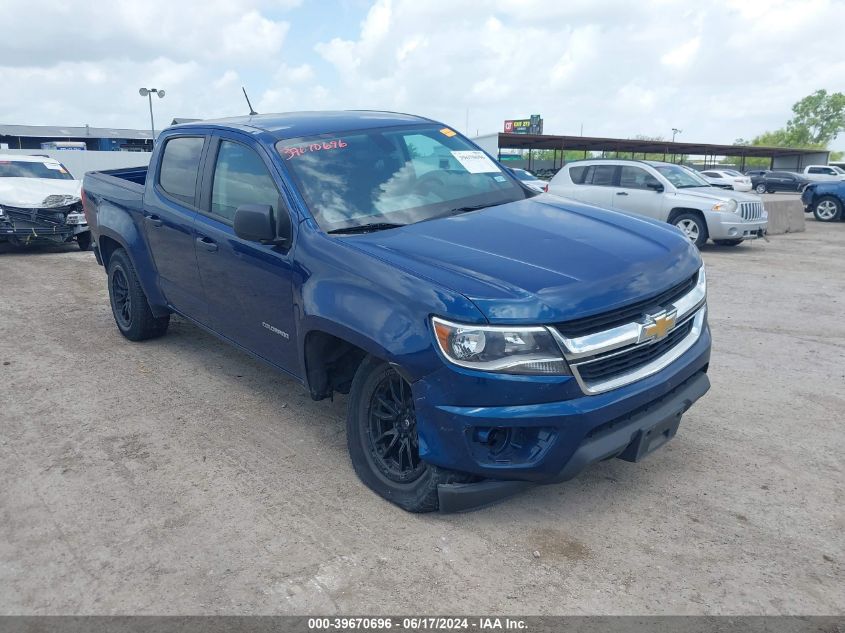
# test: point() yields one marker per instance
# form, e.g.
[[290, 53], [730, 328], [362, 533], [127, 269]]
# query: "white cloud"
[[718, 70], [682, 55]]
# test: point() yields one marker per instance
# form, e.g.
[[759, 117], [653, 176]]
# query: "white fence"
[[78, 162]]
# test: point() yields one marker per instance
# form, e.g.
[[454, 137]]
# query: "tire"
[[83, 240], [693, 226], [827, 209], [761, 188], [129, 304], [371, 426], [728, 242]]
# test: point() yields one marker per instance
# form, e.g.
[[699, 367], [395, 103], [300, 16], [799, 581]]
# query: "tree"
[[819, 118]]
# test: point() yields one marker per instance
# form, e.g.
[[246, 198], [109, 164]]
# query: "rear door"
[[634, 194], [593, 184], [248, 286], [170, 210]]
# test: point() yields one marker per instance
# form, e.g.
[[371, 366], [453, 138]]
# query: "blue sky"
[[717, 70]]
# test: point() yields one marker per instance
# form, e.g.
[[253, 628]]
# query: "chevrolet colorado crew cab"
[[490, 337], [666, 192]]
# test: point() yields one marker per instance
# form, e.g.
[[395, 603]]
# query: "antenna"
[[251, 111]]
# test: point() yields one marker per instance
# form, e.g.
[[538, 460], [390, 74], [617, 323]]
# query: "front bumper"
[[732, 228], [542, 430], [630, 438]]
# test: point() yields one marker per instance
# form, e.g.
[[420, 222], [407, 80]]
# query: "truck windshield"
[[389, 177], [27, 169], [680, 177]]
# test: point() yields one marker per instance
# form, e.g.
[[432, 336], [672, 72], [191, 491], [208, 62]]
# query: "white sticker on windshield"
[[475, 162], [55, 166]]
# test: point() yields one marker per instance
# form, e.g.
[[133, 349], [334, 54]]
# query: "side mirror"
[[254, 222], [655, 186]]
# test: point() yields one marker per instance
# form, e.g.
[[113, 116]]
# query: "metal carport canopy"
[[639, 146]]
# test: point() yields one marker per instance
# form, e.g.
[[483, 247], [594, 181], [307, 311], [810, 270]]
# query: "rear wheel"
[[827, 209], [728, 242], [381, 433], [693, 226], [761, 188], [129, 304]]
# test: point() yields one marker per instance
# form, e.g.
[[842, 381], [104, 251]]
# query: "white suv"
[[667, 192]]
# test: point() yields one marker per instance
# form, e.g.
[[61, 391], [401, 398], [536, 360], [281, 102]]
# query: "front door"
[[169, 216], [248, 285], [636, 194]]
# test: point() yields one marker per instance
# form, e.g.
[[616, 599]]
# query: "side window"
[[603, 175], [815, 170], [709, 174], [577, 174], [635, 178], [180, 163], [240, 177]]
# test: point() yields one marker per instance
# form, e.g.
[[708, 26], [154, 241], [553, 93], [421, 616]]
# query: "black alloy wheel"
[[392, 430], [121, 300]]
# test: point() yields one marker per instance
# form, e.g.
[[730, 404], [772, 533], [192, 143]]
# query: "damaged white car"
[[40, 202]]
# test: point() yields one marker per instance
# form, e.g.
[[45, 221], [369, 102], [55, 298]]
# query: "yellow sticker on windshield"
[[447, 132]]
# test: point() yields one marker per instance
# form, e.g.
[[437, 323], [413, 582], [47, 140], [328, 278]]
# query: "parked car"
[[40, 202], [824, 172], [727, 179], [666, 192], [489, 337], [773, 181], [825, 200], [756, 172], [529, 180]]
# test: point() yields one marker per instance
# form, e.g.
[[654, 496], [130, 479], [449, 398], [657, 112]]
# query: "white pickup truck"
[[824, 172]]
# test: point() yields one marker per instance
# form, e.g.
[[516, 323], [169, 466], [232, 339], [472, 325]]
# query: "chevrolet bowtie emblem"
[[657, 326]]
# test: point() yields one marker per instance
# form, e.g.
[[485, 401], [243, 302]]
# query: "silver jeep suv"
[[667, 192]]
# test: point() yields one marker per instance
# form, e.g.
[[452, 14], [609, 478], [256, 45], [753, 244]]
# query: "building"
[[95, 138]]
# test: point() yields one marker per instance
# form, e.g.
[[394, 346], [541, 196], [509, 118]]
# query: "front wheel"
[[693, 226], [827, 209], [129, 304], [728, 242], [381, 433], [761, 188], [83, 240]]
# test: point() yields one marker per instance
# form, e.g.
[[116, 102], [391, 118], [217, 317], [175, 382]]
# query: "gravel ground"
[[179, 476]]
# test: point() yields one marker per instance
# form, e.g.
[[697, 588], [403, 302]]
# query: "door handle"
[[208, 244], [621, 193], [153, 220]]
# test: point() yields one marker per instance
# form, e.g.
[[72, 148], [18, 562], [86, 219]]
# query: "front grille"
[[54, 216], [610, 366], [626, 314], [751, 210]]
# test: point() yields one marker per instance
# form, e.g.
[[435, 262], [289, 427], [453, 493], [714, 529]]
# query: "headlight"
[[2, 212], [726, 207], [502, 349]]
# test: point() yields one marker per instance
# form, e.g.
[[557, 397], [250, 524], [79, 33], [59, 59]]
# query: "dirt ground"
[[179, 476]]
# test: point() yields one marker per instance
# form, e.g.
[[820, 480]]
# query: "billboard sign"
[[533, 125]]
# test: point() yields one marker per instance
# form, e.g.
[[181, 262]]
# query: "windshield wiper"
[[367, 228], [474, 207]]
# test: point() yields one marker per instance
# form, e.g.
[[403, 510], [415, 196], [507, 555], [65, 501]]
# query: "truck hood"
[[32, 193], [540, 260], [715, 193]]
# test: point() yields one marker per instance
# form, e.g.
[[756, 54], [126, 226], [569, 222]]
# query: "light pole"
[[144, 92], [675, 131]]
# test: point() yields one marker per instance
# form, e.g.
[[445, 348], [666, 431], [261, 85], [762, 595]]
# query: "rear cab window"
[[179, 168]]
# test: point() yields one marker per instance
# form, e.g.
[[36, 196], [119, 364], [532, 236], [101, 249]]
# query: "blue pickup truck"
[[490, 337], [825, 200]]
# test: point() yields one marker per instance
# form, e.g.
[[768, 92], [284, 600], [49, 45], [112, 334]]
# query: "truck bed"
[[114, 191]]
